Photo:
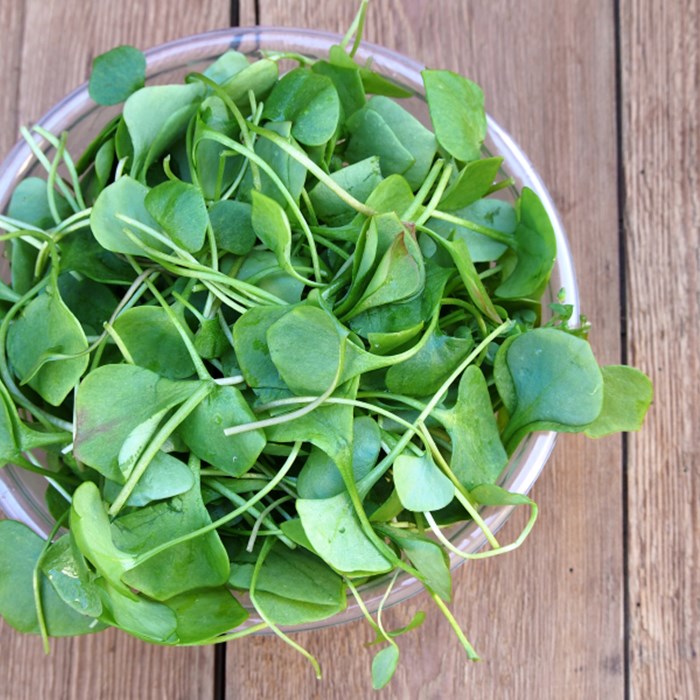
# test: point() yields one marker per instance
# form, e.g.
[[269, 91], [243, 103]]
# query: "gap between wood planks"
[[622, 266]]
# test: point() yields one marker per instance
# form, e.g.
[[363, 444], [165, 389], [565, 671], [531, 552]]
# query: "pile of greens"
[[271, 336]]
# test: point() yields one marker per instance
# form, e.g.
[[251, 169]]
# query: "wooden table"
[[603, 601]]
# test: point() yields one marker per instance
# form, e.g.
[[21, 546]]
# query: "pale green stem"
[[158, 441], [477, 228], [289, 462], [471, 652], [254, 158], [267, 546]]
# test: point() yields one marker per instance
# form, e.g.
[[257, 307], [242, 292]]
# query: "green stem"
[[267, 546], [36, 585], [229, 516], [471, 652], [504, 238], [254, 158], [158, 441], [232, 636], [423, 192], [314, 169]]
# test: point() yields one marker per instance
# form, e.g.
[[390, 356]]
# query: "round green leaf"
[[180, 210], [308, 100], [116, 74], [153, 341]]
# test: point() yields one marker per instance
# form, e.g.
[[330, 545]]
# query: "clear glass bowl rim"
[[528, 461]]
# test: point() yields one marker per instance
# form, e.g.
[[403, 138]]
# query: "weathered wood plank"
[[67, 35], [661, 101], [548, 620], [60, 40], [108, 665]]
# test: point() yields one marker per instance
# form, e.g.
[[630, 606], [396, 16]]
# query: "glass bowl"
[[21, 493]]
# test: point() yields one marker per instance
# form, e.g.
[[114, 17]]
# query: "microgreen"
[[274, 336]]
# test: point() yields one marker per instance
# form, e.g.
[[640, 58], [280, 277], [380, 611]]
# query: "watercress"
[[272, 336]]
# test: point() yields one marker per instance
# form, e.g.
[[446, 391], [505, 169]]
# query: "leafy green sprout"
[[356, 335]]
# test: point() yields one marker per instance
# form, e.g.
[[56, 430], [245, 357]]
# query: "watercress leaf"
[[420, 484], [111, 402], [258, 77], [142, 618], [91, 530], [493, 495], [104, 162], [125, 197], [334, 530], [359, 179], [294, 530], [10, 447], [427, 556], [393, 194], [312, 370], [419, 141], [81, 253], [271, 226], [136, 441], [535, 248], [348, 84], [491, 213], [45, 327], [203, 432], [116, 74], [294, 586], [91, 303], [423, 373], [20, 549], [205, 613], [627, 395], [165, 477], [210, 341], [155, 116], [22, 265], [555, 379], [329, 428], [399, 275], [472, 183], [290, 171], [456, 107], [373, 82], [252, 351], [30, 203], [320, 477], [260, 268], [179, 209], [470, 278], [226, 66], [288, 611], [384, 343], [370, 135], [232, 224], [64, 566], [153, 341], [364, 261], [310, 101], [478, 455], [215, 166], [384, 666], [300, 575], [392, 318], [198, 562]]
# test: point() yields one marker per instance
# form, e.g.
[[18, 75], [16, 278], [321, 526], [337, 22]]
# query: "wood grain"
[[548, 619], [661, 100], [71, 33], [46, 51]]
